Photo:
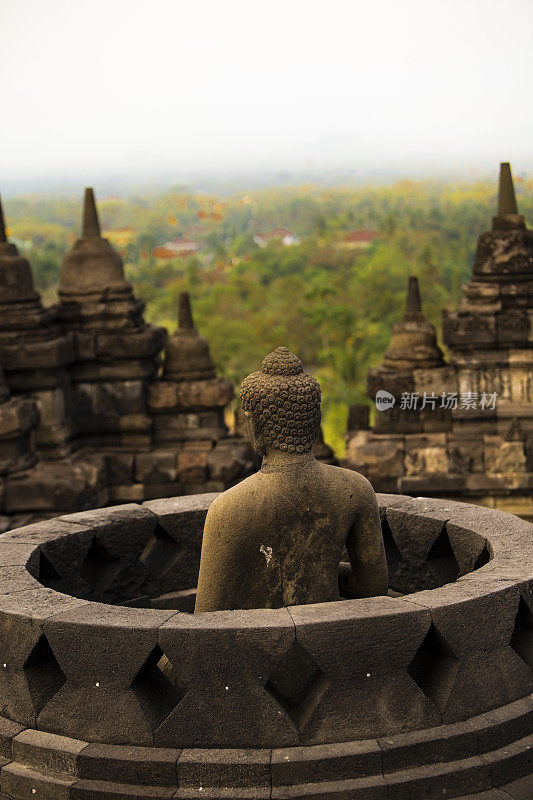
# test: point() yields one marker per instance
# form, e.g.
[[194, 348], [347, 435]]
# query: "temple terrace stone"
[[425, 695]]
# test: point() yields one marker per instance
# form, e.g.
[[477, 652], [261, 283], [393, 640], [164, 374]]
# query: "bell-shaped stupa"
[[413, 343], [92, 265], [16, 280], [117, 353], [496, 299], [187, 355], [188, 409], [413, 346]]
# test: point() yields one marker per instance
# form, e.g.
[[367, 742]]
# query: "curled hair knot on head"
[[285, 402]]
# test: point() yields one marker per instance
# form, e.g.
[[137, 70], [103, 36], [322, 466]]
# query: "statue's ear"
[[255, 432]]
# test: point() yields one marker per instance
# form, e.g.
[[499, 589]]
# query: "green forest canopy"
[[334, 306]]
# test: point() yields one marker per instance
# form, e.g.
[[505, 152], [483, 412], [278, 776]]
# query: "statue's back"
[[288, 531], [276, 539]]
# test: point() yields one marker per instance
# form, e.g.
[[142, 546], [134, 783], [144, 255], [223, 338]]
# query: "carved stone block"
[[426, 454]]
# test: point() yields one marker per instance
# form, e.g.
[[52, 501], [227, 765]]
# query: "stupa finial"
[[413, 304], [506, 195], [91, 224], [185, 320], [3, 237]]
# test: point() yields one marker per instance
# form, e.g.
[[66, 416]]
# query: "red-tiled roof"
[[365, 235], [277, 233]]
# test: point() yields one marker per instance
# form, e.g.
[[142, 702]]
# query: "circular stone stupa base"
[[446, 761], [108, 691]]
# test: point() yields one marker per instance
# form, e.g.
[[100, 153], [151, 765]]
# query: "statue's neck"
[[278, 460]]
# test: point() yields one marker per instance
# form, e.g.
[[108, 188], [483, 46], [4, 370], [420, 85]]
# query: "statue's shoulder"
[[234, 499], [351, 481]]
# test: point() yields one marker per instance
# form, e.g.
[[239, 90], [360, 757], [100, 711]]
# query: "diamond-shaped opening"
[[157, 695], [392, 553], [434, 667], [48, 574], [297, 685], [482, 559], [43, 674], [522, 637], [161, 552], [99, 566], [441, 559]]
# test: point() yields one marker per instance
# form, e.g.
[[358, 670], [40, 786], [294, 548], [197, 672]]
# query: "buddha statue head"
[[281, 404]]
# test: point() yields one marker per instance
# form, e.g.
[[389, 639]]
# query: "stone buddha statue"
[[276, 538]]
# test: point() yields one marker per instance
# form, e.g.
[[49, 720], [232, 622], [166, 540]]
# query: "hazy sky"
[[173, 86]]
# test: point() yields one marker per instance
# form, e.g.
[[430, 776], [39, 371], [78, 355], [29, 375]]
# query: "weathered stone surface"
[[92, 265], [220, 768], [378, 455], [143, 766], [426, 454], [357, 687], [113, 702], [191, 395], [30, 677], [513, 761], [466, 455], [231, 460], [470, 775], [109, 400], [473, 615], [119, 467], [8, 731], [183, 426], [17, 417], [21, 782], [224, 667], [502, 726], [158, 466], [47, 753], [373, 788], [58, 486], [502, 456], [102, 790], [16, 454], [435, 745], [48, 354], [297, 674], [522, 789], [333, 762], [191, 462]]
